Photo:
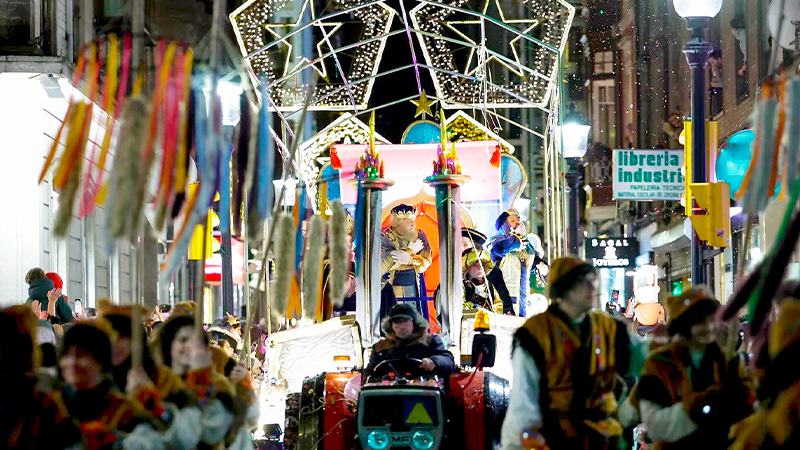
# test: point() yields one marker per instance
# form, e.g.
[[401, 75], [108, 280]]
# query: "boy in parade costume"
[[471, 238], [566, 361], [689, 395], [515, 255], [29, 418], [478, 291], [406, 255]]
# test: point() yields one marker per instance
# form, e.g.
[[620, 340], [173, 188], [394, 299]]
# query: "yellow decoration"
[[372, 133], [443, 129], [423, 105]]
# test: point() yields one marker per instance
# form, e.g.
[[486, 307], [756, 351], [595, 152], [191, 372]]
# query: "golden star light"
[[262, 38], [518, 68], [423, 105], [543, 30]]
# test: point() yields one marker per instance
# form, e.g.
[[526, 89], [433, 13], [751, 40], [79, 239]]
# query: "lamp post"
[[698, 15], [575, 142]]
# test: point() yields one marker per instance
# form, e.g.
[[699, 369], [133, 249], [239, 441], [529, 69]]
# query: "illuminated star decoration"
[[423, 105], [257, 23], [527, 85], [346, 129], [517, 69], [304, 62]]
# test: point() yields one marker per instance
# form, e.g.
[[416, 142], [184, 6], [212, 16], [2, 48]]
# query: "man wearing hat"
[[514, 256], [565, 362], [406, 255], [407, 337], [689, 394], [472, 239]]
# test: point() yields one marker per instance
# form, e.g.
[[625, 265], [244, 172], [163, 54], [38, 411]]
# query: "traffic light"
[[677, 288], [712, 149], [196, 244], [714, 226]]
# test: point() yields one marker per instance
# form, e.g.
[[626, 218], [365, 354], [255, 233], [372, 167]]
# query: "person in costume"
[[472, 238], [689, 395], [515, 255], [153, 386], [190, 357], [407, 336], [29, 417], [776, 423], [406, 255], [566, 362], [104, 415], [478, 291]]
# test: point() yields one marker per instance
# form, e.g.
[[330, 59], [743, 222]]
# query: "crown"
[[405, 214]]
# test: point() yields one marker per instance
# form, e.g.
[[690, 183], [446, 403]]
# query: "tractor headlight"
[[378, 439], [422, 440]]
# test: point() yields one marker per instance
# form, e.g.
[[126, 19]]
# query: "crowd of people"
[[108, 382], [582, 378]]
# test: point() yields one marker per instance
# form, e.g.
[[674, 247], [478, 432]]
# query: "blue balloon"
[[422, 132]]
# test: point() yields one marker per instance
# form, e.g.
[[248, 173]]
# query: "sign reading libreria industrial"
[[648, 175]]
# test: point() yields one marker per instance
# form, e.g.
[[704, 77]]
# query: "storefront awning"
[[677, 237]]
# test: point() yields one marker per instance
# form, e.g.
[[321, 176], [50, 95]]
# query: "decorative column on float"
[[370, 184], [447, 180]]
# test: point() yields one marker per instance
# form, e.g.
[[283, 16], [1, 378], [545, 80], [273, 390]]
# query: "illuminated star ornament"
[[269, 34], [542, 28], [423, 105]]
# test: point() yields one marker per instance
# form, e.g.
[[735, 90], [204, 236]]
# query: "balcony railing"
[[30, 28]]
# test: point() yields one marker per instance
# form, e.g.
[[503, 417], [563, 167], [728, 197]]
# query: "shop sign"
[[648, 175], [612, 252]]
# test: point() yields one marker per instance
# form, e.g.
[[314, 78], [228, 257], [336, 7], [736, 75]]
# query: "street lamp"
[[698, 15], [575, 141]]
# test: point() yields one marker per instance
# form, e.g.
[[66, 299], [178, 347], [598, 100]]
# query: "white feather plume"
[[339, 254], [284, 262], [312, 266]]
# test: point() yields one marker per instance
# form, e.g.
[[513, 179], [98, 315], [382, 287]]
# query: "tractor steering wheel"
[[409, 367]]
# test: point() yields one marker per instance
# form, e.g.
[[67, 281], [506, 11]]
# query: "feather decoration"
[[791, 154], [284, 262], [338, 251], [90, 186], [197, 208], [67, 118], [242, 147], [772, 272], [765, 136], [254, 223], [266, 158], [127, 171], [67, 202], [361, 200], [312, 266], [70, 189], [188, 150]]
